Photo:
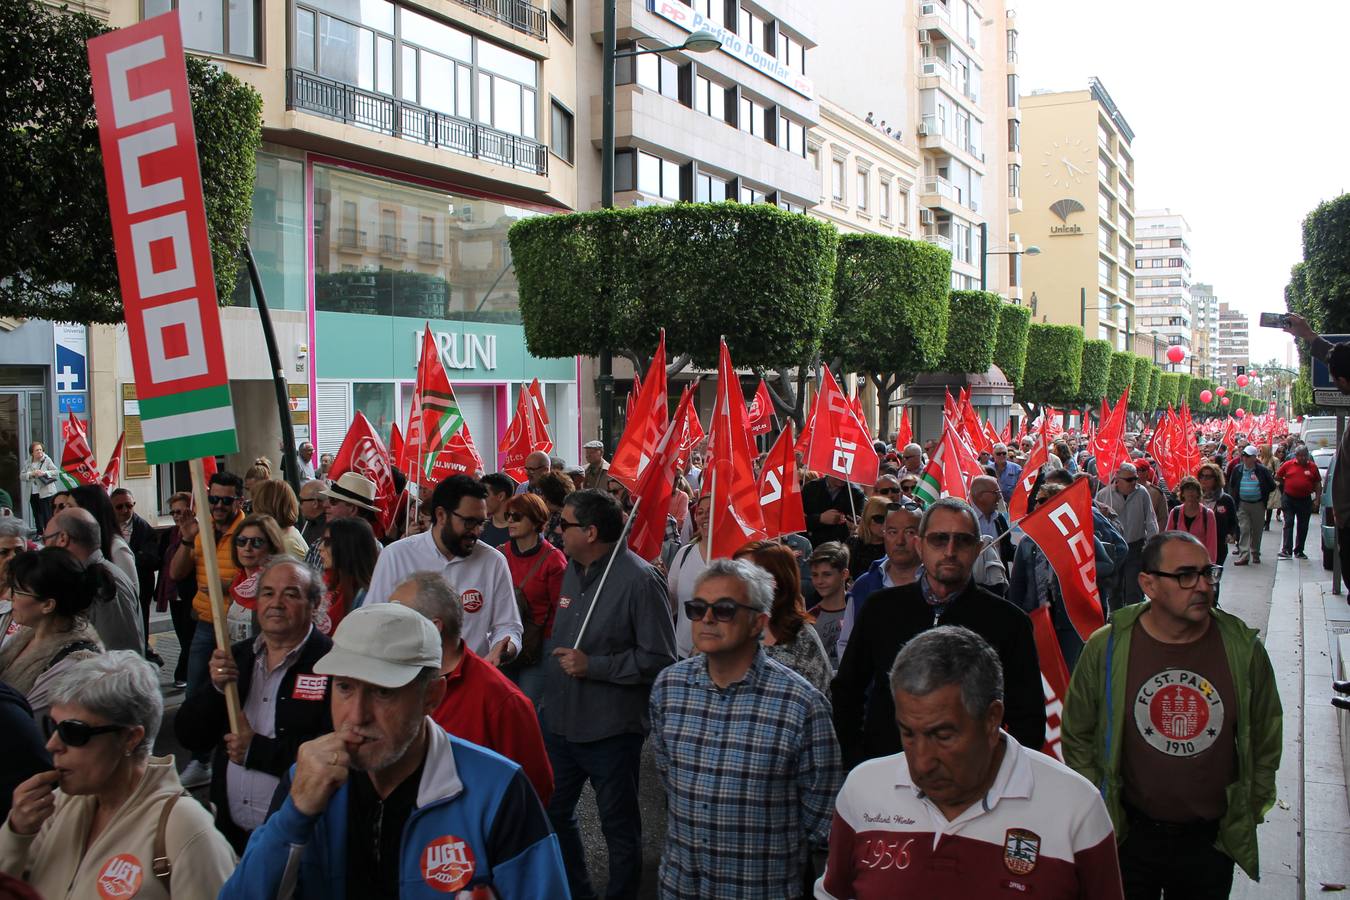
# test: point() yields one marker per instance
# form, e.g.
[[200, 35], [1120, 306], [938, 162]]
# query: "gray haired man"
[[1137, 522], [118, 622]]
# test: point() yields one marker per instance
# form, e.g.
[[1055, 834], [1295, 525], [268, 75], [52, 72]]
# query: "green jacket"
[[1094, 719]]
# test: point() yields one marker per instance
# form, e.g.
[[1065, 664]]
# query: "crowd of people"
[[855, 711]]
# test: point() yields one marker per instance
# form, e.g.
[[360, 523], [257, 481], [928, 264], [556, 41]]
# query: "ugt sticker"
[[310, 687], [473, 600], [447, 864], [1021, 849], [120, 877]]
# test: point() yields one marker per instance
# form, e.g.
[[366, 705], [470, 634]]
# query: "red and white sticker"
[[1178, 712], [13, 628], [447, 863], [564, 602], [120, 877], [473, 600], [310, 687]]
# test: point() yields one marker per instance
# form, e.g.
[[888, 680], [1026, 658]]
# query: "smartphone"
[[1274, 320]]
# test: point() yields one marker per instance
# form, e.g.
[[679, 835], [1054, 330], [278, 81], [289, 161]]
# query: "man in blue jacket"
[[389, 805]]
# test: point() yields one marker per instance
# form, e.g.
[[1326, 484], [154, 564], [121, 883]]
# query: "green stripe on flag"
[[929, 487], [185, 402], [191, 446]]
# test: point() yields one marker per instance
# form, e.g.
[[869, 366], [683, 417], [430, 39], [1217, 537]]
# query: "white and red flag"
[[1108, 445], [655, 488], [839, 444], [1062, 529], [1054, 679], [691, 429], [112, 476], [648, 417], [78, 465], [525, 435], [735, 516], [364, 453], [1021, 495], [780, 495], [761, 411]]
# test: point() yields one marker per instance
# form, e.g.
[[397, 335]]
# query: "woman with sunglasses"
[[790, 639], [537, 569], [111, 820], [52, 592], [349, 552], [257, 538], [172, 594], [865, 547], [1214, 498]]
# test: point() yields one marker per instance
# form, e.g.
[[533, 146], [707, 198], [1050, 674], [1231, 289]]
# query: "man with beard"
[[477, 572], [948, 541], [388, 804]]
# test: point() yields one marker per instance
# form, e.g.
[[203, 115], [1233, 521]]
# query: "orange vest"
[[201, 603]]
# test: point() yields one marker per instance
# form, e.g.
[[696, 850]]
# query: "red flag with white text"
[[1108, 446], [647, 423], [761, 411], [855, 404], [1062, 528], [1054, 679], [691, 428], [1026, 480], [364, 453], [840, 445], [654, 490], [525, 435], [112, 476], [78, 465], [735, 516], [780, 495]]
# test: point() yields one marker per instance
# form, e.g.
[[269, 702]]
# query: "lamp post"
[[985, 253], [1082, 301], [698, 42]]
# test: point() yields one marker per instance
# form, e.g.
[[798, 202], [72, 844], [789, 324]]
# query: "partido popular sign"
[[159, 233]]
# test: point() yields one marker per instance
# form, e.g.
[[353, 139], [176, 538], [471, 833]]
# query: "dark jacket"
[[816, 499], [1263, 477], [145, 545], [202, 723], [864, 710], [25, 749]]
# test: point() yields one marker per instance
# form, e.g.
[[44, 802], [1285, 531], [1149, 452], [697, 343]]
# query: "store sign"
[[159, 232], [734, 45], [1062, 210], [1325, 392], [72, 403], [72, 352], [461, 351]]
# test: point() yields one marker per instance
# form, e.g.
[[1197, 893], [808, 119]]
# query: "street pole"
[[605, 379], [984, 256], [1082, 303], [290, 468]]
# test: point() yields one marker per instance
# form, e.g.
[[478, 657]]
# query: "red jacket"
[[482, 706], [544, 588], [1298, 479]]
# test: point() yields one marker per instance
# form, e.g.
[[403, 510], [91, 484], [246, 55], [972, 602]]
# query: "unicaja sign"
[[1062, 210]]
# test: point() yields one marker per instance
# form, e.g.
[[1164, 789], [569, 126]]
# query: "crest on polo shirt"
[[121, 876], [473, 600], [447, 863], [1021, 850], [1178, 712]]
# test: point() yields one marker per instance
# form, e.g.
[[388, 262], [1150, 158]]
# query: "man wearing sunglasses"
[[477, 572], [766, 734], [1136, 521], [1173, 711], [947, 543], [899, 565], [887, 486], [1006, 471]]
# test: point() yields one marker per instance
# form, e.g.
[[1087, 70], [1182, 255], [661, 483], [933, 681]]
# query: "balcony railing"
[[941, 240], [429, 250], [351, 239], [392, 245], [386, 115], [519, 14]]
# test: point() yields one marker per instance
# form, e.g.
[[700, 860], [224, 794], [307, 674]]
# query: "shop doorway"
[[23, 419]]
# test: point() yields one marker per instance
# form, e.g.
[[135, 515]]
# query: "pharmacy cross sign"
[[159, 232]]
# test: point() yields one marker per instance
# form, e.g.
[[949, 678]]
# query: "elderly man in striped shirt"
[[745, 748]]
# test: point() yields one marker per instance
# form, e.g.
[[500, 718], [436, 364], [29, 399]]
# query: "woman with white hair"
[[111, 820]]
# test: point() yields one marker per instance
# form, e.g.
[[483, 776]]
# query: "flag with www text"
[[78, 465]]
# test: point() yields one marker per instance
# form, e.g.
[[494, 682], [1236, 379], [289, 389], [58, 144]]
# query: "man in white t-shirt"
[[687, 564]]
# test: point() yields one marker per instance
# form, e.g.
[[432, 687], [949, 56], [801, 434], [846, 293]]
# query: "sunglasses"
[[958, 540], [878, 519], [75, 733], [722, 610], [257, 543], [217, 501], [122, 506], [515, 517], [888, 492], [905, 504], [563, 525]]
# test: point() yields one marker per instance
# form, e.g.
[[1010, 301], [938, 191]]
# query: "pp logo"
[[473, 600], [447, 864], [120, 877]]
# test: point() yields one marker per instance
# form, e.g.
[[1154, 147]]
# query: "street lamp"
[[985, 253], [698, 42], [1082, 300]]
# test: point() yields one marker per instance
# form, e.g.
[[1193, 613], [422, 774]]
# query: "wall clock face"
[[1069, 162]]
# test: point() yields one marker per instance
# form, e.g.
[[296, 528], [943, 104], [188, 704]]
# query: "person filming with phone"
[[1337, 358]]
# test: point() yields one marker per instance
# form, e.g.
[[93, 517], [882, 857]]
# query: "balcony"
[[351, 240], [427, 251], [938, 239], [378, 112], [936, 19], [518, 14], [393, 246], [933, 137]]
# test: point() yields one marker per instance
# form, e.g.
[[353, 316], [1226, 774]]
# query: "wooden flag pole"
[[206, 531]]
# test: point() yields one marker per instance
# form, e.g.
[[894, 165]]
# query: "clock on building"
[[1068, 162]]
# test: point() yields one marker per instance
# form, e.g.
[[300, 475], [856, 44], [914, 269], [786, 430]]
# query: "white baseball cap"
[[386, 644]]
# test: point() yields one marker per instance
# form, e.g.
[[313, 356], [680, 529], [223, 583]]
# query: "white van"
[[1319, 432]]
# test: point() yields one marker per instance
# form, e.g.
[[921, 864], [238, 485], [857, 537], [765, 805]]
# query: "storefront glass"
[[276, 235]]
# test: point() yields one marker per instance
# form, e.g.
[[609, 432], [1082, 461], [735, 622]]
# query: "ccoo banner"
[[159, 232]]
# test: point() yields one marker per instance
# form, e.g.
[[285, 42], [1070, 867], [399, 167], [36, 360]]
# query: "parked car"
[[1323, 457], [1328, 518]]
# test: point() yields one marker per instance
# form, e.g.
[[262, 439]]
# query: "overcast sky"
[[1239, 132]]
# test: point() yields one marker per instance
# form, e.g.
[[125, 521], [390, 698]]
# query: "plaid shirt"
[[751, 772]]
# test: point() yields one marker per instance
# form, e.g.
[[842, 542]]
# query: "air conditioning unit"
[[924, 36], [922, 130], [926, 217]]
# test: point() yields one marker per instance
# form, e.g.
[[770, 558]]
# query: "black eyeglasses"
[[1189, 578], [257, 543], [75, 733], [470, 524], [958, 540], [515, 517], [722, 610], [217, 501], [888, 492], [563, 524]]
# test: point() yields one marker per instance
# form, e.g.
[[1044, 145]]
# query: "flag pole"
[[712, 511], [206, 532], [620, 544]]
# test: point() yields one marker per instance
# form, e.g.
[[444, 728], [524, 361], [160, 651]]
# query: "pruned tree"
[[1094, 374], [1010, 348], [972, 331], [1120, 376], [1054, 366]]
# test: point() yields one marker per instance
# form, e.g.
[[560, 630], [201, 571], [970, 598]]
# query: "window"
[[1014, 135], [712, 10], [884, 200], [837, 180], [1012, 89], [710, 189], [1014, 180], [226, 27], [863, 190], [752, 117], [902, 208], [790, 53], [560, 132], [750, 27], [656, 177], [750, 195], [710, 98], [561, 13], [657, 73]]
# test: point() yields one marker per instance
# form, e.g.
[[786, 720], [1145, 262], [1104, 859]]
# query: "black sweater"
[[864, 709]]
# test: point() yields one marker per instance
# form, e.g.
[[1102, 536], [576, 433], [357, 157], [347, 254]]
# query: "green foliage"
[[972, 331], [611, 279], [1301, 394], [56, 251], [1139, 384], [1154, 386], [891, 306], [1183, 388], [1168, 386], [1326, 264], [1094, 373], [1010, 351], [1120, 375], [1054, 363]]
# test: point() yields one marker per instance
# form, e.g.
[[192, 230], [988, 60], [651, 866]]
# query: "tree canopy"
[[1094, 373], [1054, 364], [972, 331], [1010, 351]]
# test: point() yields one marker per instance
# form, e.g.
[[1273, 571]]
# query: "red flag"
[[396, 447], [410, 460], [655, 488], [1021, 495], [1021, 429], [441, 416], [735, 515], [1062, 529], [364, 453], [691, 428], [458, 457], [537, 395], [839, 443], [637, 444], [1108, 445], [525, 435], [974, 430], [77, 457], [209, 467], [991, 435], [1006, 434], [958, 464], [112, 476], [804, 439], [951, 409], [780, 496], [761, 411], [903, 434], [1054, 679], [855, 405]]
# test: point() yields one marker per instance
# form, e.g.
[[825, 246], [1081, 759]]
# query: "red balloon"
[[1221, 391], [1239, 412], [1242, 380], [1225, 401], [1176, 354], [1206, 396]]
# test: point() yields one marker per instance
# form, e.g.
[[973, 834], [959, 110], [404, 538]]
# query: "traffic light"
[[1241, 370]]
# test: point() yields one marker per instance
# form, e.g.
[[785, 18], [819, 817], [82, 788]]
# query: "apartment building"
[[868, 178], [1234, 347], [400, 141], [1164, 303], [1078, 207], [1206, 306]]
